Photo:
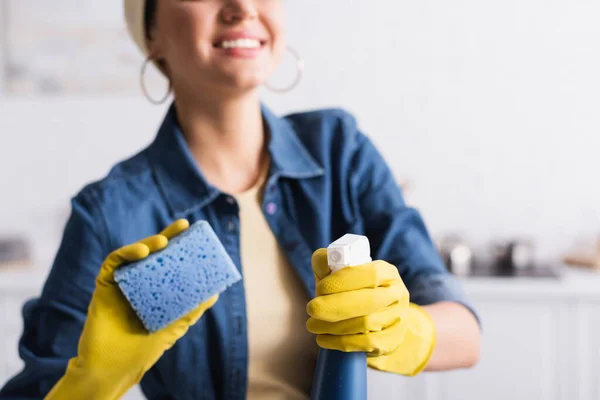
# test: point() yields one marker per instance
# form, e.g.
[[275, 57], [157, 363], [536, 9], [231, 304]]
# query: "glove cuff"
[[422, 327], [78, 383]]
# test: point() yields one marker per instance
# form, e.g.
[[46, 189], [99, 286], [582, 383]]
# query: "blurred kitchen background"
[[488, 113]]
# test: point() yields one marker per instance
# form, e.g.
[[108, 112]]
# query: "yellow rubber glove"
[[115, 350], [366, 308]]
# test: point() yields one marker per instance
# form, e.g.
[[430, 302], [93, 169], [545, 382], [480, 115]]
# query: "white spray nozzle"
[[347, 251]]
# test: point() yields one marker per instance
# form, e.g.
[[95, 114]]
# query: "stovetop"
[[536, 271]]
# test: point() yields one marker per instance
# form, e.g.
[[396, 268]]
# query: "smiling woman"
[[197, 43], [276, 191]]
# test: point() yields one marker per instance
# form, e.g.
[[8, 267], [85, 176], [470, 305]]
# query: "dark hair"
[[149, 14]]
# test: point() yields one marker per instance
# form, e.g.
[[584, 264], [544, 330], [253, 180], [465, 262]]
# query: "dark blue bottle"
[[340, 376]]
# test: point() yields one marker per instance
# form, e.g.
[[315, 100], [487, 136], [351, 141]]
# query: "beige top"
[[282, 352]]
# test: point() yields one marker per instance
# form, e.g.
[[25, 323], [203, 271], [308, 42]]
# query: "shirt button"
[[230, 226], [271, 208], [230, 200]]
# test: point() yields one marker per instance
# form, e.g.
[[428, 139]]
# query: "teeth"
[[240, 43]]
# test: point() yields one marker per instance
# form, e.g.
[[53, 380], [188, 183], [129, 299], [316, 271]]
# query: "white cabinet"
[[522, 355], [541, 341], [585, 373]]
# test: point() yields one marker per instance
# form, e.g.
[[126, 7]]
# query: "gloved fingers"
[[370, 275], [373, 343], [155, 243], [357, 303], [175, 228], [130, 253], [195, 315], [133, 252], [370, 323], [320, 264]]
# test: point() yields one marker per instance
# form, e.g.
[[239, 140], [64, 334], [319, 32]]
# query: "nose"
[[235, 11]]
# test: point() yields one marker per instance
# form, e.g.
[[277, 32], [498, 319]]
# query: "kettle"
[[515, 255], [456, 254]]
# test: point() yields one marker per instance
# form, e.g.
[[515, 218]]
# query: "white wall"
[[491, 109]]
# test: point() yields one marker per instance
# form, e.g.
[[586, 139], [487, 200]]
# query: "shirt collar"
[[181, 181]]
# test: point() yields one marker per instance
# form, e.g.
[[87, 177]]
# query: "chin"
[[232, 80], [243, 82]]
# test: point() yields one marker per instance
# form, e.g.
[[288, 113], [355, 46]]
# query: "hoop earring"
[[299, 72], [145, 90]]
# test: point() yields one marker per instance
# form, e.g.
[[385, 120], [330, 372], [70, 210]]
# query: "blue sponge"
[[170, 283]]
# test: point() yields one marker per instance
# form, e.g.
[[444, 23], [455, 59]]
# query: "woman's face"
[[218, 43]]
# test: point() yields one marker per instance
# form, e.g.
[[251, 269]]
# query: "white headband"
[[134, 17]]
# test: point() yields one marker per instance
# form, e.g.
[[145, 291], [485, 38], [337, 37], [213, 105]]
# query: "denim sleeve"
[[397, 232], [54, 321]]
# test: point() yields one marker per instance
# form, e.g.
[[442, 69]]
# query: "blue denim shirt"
[[326, 179]]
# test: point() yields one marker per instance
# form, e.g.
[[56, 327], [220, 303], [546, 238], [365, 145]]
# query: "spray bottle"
[[339, 375]]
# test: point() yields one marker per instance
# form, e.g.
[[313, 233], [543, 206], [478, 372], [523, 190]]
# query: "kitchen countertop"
[[573, 283]]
